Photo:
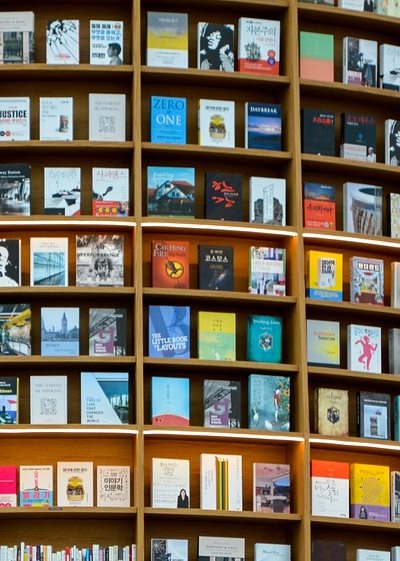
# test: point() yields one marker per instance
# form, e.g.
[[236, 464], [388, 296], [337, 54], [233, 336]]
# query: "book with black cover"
[[224, 196], [358, 137], [215, 267], [328, 550], [15, 189], [318, 132]]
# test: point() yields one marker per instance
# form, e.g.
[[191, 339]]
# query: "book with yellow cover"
[[167, 39], [324, 275], [370, 492], [217, 336]]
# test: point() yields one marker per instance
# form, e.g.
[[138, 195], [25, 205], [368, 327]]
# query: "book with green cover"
[[316, 56], [217, 336]]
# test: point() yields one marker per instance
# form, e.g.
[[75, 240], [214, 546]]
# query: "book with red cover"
[[170, 264], [319, 206]]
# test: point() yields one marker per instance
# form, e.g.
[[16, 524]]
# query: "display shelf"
[[371, 95], [212, 435], [354, 525], [216, 516], [63, 513], [40, 70], [74, 147], [222, 365], [351, 377], [354, 310], [367, 171], [65, 431]]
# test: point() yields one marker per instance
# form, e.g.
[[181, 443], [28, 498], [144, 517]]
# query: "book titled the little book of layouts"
[[107, 117], [62, 41]]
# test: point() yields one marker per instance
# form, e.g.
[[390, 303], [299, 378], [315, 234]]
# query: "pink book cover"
[[8, 486]]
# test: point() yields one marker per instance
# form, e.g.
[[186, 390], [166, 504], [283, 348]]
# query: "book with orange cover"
[[330, 488], [170, 264]]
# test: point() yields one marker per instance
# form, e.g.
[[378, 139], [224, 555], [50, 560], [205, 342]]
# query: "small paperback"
[[323, 343], [215, 46], [366, 280], [216, 335], [267, 271], [48, 400], [269, 402], [332, 411], [271, 487], [15, 328], [364, 348], [222, 403], [170, 401], [362, 209], [170, 483], [324, 275], [110, 188], [49, 261], [360, 61], [107, 117], [113, 486], [170, 264], [106, 42], [267, 200], [216, 548], [217, 123], [389, 67], [15, 180], [318, 131], [358, 137], [9, 400], [272, 552], [8, 486], [99, 260], [224, 196], [104, 398], [171, 549], [259, 46], [60, 331], [10, 262], [168, 120], [392, 142], [107, 332], [36, 486], [263, 126], [330, 488], [215, 267], [373, 415], [62, 41], [170, 191], [62, 191], [15, 118], [167, 40], [221, 482], [74, 484], [17, 31], [319, 206], [56, 118]]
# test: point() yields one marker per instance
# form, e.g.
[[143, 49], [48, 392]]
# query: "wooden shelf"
[[354, 309], [354, 524], [67, 431], [356, 445], [351, 376], [370, 172], [51, 513], [238, 365], [228, 435], [42, 71], [214, 516], [74, 147]]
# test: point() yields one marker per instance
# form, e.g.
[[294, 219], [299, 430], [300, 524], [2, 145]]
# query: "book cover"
[[62, 191], [271, 487], [259, 46], [211, 548], [113, 486], [8, 486], [373, 415], [104, 398], [318, 132], [9, 400], [392, 141], [56, 118], [395, 285], [170, 483], [358, 137], [370, 492], [330, 488], [267, 200], [324, 275], [106, 42], [215, 267], [17, 34], [222, 403], [269, 402], [389, 67], [107, 332], [395, 496], [169, 331], [323, 343], [332, 411], [264, 338], [107, 117], [272, 552], [15, 118], [62, 41], [372, 555], [15, 180], [366, 280], [362, 209], [319, 206], [216, 335], [59, 331], [167, 120], [267, 271], [48, 400], [216, 46], [263, 126], [326, 550], [170, 191], [10, 262], [36, 486], [388, 8], [110, 189], [167, 39], [360, 61], [317, 56], [216, 123], [224, 196], [358, 5], [49, 261], [15, 329], [74, 484], [100, 260], [174, 549], [394, 350], [170, 264], [221, 482], [170, 401], [364, 348], [395, 550]]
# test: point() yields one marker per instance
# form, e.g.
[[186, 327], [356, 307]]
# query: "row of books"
[[26, 552], [32, 485], [388, 8]]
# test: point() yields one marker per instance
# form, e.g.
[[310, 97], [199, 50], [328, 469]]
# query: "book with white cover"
[[392, 143], [212, 548], [49, 261], [170, 483], [372, 555], [74, 484], [56, 118], [107, 117], [36, 485], [209, 481], [362, 208], [389, 67], [271, 552], [110, 188], [360, 61], [217, 123], [62, 191], [395, 553], [364, 348], [106, 42], [167, 39], [17, 37], [267, 200], [62, 41], [105, 398], [15, 118], [10, 262], [48, 400], [113, 486]]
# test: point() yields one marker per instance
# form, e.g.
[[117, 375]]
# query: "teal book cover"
[[269, 402], [170, 401], [264, 339], [167, 120]]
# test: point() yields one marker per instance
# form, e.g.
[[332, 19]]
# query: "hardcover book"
[[216, 123], [62, 191], [267, 271], [169, 331], [394, 350], [222, 403], [170, 483], [107, 332], [49, 261], [8, 486], [360, 61], [370, 492], [9, 398], [110, 189], [60, 331], [264, 338], [10, 262], [269, 402], [170, 191], [263, 126], [395, 496], [215, 267], [106, 42], [364, 348], [389, 67], [17, 32], [211, 548], [362, 209], [99, 260], [216, 332], [170, 401], [272, 552], [395, 285], [324, 550], [167, 120], [174, 549], [167, 39], [15, 118], [317, 56], [392, 141], [216, 46], [48, 400], [267, 200], [366, 280], [15, 328], [332, 411], [323, 343], [358, 137], [113, 486], [74, 484], [62, 41], [372, 555], [271, 487], [36, 486], [223, 194], [324, 275], [259, 46], [15, 180], [318, 132], [221, 482], [373, 415], [56, 118], [104, 398], [330, 488], [107, 117], [319, 206], [170, 264]]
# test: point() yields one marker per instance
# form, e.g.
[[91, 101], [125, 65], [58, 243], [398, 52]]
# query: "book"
[[169, 331], [59, 331], [389, 67], [49, 261], [211, 548], [322, 550], [167, 120], [216, 46], [392, 142], [170, 401], [267, 271], [48, 400], [167, 40], [216, 122], [10, 262], [15, 180], [259, 46], [366, 280], [222, 403], [110, 189], [395, 550], [74, 484], [324, 275], [370, 492], [106, 42], [56, 118], [216, 335], [364, 348], [317, 56], [272, 552], [9, 400], [395, 496], [17, 33], [372, 555], [174, 549], [113, 486], [319, 206], [62, 41], [99, 260], [269, 402], [170, 483], [15, 118], [267, 203], [224, 196], [358, 137], [373, 415], [362, 208], [395, 284], [36, 485], [318, 132], [271, 487], [221, 482], [263, 126], [264, 338], [104, 398], [323, 343], [107, 117], [330, 488], [215, 270], [170, 264], [332, 411], [170, 191], [394, 350], [388, 8], [358, 5], [62, 191], [8, 486], [15, 328], [360, 61], [108, 332]]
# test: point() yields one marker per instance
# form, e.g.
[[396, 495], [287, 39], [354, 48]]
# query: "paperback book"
[[370, 492], [74, 484], [107, 332], [107, 117], [15, 181], [15, 328], [99, 260], [395, 496], [394, 351], [8, 486], [319, 206], [10, 262], [358, 137], [358, 5], [373, 415], [9, 400], [389, 67], [360, 61], [221, 482], [271, 488], [170, 191], [223, 194], [222, 403], [174, 549], [168, 120], [170, 483], [59, 331], [366, 280], [56, 118], [267, 271], [169, 331], [388, 8], [323, 343], [318, 132], [170, 401], [113, 486], [104, 398], [272, 552], [213, 548], [216, 120], [395, 285], [330, 488], [259, 46], [264, 338], [106, 42], [48, 400], [216, 332], [317, 56], [167, 39], [17, 33], [372, 555], [269, 402], [332, 411], [267, 200], [62, 41], [364, 348], [216, 46], [263, 126], [36, 486], [49, 261], [110, 189], [362, 209], [62, 191], [170, 264], [392, 141], [15, 119], [215, 267], [324, 275]]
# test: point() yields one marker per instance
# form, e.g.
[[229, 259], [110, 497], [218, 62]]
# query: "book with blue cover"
[[170, 401], [167, 120], [269, 402], [60, 331], [263, 126], [169, 331], [264, 338], [104, 398], [170, 191]]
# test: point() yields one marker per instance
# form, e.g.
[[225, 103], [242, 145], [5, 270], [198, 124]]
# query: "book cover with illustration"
[[170, 264], [216, 46], [107, 332], [267, 271], [366, 280], [9, 400], [59, 331], [49, 261], [392, 143], [170, 191], [362, 208], [259, 46], [15, 118], [56, 118], [395, 496], [389, 67], [269, 402], [214, 547], [223, 195], [264, 338], [17, 36], [221, 482], [332, 411], [324, 275], [170, 401], [62, 191], [364, 348], [110, 190], [373, 415], [330, 488], [360, 61], [221, 400], [15, 183], [318, 131], [104, 398], [75, 484], [62, 41], [263, 126], [215, 267], [114, 486], [394, 351], [170, 483], [323, 343], [99, 260], [167, 120], [36, 485], [15, 329], [174, 549], [48, 400], [358, 137], [271, 487], [319, 206], [169, 331], [106, 42], [267, 200], [10, 262], [370, 492], [216, 123], [216, 332], [167, 40]]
